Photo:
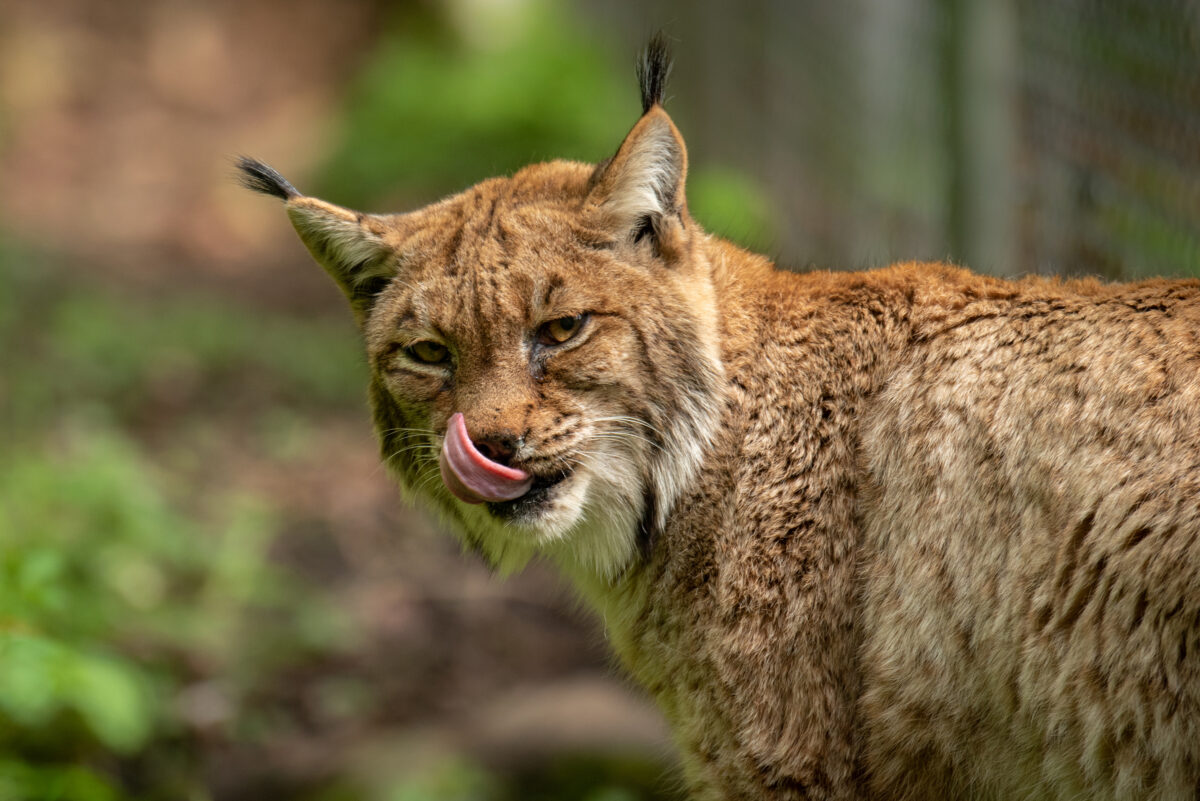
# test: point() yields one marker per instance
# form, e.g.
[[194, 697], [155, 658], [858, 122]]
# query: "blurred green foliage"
[[446, 780], [729, 203], [120, 591], [432, 113]]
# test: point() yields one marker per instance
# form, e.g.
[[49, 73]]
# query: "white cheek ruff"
[[588, 526]]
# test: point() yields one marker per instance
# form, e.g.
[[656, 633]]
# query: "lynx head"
[[543, 348]]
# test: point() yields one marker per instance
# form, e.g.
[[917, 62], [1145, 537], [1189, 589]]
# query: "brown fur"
[[912, 533]]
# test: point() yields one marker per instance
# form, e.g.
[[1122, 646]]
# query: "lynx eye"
[[428, 352], [559, 331]]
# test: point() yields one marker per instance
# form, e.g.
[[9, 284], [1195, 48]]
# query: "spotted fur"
[[906, 534]]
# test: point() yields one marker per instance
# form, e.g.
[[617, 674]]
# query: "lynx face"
[[554, 340], [542, 347]]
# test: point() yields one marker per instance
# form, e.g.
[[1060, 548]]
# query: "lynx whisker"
[[406, 430], [627, 436]]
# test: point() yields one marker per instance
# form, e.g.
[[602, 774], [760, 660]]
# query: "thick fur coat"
[[905, 534]]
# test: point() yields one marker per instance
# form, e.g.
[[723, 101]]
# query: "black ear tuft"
[[653, 69], [258, 177]]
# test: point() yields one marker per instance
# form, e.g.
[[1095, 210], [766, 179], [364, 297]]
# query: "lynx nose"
[[498, 448]]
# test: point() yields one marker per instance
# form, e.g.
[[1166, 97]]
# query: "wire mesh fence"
[[1016, 136]]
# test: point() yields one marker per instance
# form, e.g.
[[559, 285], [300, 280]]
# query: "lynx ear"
[[348, 244], [642, 189]]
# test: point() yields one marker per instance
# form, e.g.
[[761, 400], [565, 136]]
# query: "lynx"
[[912, 533]]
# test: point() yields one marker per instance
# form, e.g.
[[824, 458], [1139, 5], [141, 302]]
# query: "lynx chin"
[[912, 533]]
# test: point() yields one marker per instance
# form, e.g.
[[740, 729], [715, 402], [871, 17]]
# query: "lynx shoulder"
[[912, 533]]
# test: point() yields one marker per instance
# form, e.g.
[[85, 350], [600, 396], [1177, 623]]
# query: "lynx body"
[[905, 534]]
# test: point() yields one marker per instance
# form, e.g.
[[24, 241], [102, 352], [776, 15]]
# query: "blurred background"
[[208, 588]]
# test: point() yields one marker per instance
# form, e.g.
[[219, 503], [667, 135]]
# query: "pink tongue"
[[471, 476]]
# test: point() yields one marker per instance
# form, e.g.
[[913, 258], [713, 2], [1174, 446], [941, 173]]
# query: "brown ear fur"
[[348, 244], [640, 190]]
